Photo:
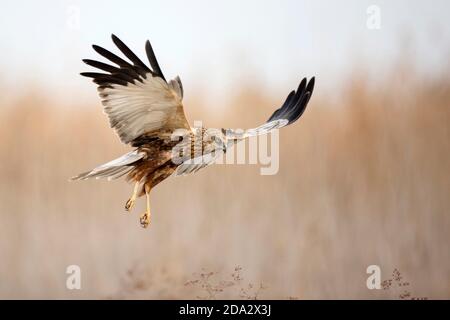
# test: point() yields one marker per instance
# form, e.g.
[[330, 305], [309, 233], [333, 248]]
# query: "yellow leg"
[[130, 203], [145, 217]]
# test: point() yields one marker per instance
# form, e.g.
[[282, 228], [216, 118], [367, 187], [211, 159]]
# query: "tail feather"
[[113, 169], [120, 174]]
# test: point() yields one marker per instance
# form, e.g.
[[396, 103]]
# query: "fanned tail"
[[113, 169]]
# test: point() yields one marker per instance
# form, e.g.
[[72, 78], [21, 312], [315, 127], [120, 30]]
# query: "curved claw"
[[145, 220], [129, 205]]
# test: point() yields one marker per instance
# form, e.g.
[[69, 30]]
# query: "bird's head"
[[215, 140]]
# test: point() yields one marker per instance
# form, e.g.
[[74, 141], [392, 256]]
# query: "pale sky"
[[217, 45]]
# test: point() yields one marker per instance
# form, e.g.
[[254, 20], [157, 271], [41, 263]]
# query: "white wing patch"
[[262, 129], [266, 128], [139, 108]]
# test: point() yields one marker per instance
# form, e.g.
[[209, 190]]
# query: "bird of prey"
[[146, 111]]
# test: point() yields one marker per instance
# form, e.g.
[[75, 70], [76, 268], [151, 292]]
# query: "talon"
[[145, 220], [129, 205]]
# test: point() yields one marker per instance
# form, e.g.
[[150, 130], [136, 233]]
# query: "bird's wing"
[[292, 108], [195, 164], [113, 169], [288, 113], [136, 98]]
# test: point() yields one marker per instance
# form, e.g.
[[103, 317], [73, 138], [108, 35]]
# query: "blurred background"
[[363, 178]]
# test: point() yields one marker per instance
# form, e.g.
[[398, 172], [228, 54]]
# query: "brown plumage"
[[147, 113]]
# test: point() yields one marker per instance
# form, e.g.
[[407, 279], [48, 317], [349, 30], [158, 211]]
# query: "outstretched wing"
[[137, 99], [292, 108]]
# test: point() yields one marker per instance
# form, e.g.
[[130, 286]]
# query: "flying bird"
[[147, 113]]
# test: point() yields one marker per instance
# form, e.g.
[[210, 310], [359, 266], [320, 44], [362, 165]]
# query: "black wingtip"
[[123, 71], [116, 40], [311, 83], [131, 56], [94, 75], [97, 48], [302, 83], [152, 59], [87, 61], [296, 102]]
